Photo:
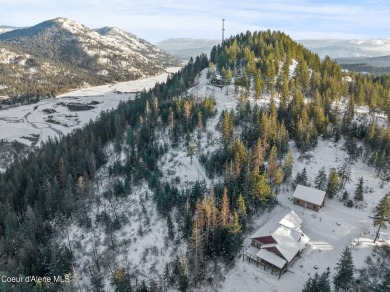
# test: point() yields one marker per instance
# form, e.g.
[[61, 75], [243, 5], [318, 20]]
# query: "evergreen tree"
[[382, 214], [320, 180], [229, 75], [121, 280], [143, 287], [241, 209], [343, 279], [333, 184], [235, 225], [97, 283], [272, 164], [258, 85], [226, 126], [171, 233], [345, 197], [344, 172], [288, 165], [359, 191], [191, 148], [319, 283], [197, 244], [261, 191], [167, 276], [258, 155], [183, 278], [279, 176], [200, 125], [171, 118], [304, 177], [225, 208], [301, 178], [223, 72]]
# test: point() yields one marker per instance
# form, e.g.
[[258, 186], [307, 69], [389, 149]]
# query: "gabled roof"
[[266, 230], [291, 220], [287, 240], [271, 258], [288, 236], [310, 195]]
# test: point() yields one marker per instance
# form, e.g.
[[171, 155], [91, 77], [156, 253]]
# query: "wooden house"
[[309, 198], [278, 243]]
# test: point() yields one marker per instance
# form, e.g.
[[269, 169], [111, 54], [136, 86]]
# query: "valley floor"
[[31, 124]]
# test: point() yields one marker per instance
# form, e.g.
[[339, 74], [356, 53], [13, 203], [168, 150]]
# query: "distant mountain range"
[[348, 48], [360, 55], [383, 61], [185, 48], [7, 28], [375, 65], [102, 55]]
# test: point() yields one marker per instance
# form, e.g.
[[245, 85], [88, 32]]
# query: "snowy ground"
[[51, 118], [176, 165], [330, 231], [142, 245]]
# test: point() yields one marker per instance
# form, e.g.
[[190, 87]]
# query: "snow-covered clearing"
[[51, 118]]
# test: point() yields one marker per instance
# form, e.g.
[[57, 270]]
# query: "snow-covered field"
[[51, 118]]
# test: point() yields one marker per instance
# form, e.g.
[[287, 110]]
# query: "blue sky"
[[157, 20]]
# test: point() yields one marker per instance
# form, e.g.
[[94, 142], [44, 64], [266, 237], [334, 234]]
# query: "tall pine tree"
[[382, 214], [345, 268], [333, 184], [359, 190], [319, 283], [320, 180]]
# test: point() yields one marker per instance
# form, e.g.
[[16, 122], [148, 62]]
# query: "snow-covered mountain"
[[111, 54], [139, 46]]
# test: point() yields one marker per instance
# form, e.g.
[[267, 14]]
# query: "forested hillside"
[[26, 78], [58, 55], [313, 97], [237, 116]]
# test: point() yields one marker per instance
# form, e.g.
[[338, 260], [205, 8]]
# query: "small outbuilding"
[[309, 198]]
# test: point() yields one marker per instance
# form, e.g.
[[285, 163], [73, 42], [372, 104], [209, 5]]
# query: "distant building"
[[278, 243], [309, 198]]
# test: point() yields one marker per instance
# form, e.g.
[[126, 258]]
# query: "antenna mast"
[[223, 30]]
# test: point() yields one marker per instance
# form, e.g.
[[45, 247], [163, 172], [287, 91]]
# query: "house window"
[[298, 201]]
